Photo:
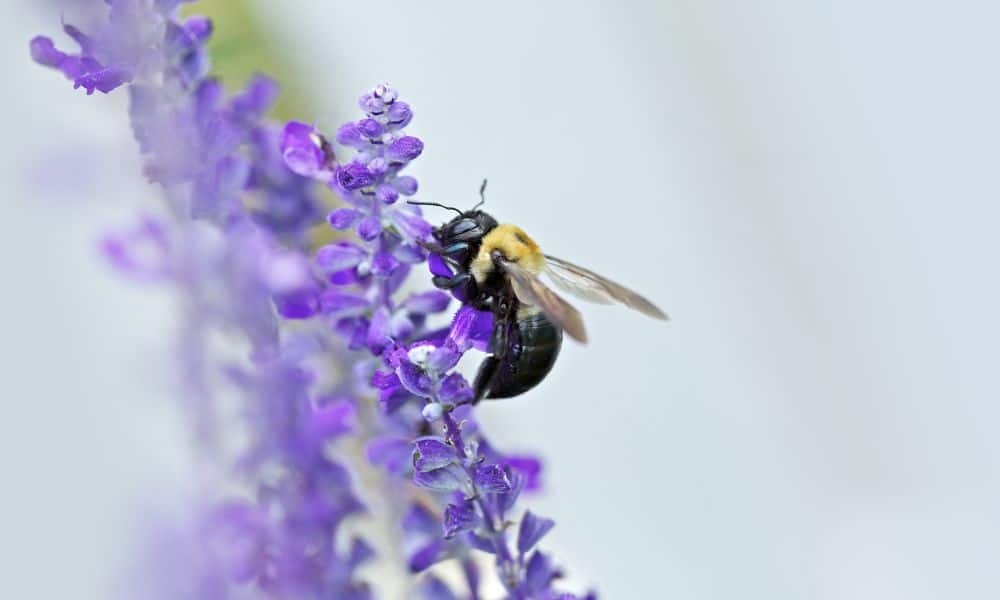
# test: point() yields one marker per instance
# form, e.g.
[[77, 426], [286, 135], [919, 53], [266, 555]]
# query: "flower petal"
[[405, 149], [390, 453], [414, 379], [532, 529], [44, 52], [459, 518], [529, 467], [349, 135], [419, 519], [443, 358], [448, 479], [433, 588], [438, 267], [369, 228], [471, 328], [258, 96], [426, 556], [387, 194], [399, 115], [492, 478], [343, 218], [302, 150], [433, 301], [405, 185], [354, 177], [384, 264], [370, 128], [455, 389], [339, 256], [539, 572], [411, 225], [431, 453]]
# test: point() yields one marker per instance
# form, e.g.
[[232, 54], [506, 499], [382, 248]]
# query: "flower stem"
[[505, 561]]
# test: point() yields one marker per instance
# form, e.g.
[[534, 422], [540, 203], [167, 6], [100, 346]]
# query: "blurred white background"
[[809, 188]]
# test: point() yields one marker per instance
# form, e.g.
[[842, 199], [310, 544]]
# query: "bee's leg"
[[490, 368], [450, 283], [445, 250], [484, 378]]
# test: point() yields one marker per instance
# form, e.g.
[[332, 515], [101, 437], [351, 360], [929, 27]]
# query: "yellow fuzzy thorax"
[[515, 245]]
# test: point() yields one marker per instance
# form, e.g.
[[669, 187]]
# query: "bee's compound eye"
[[463, 226]]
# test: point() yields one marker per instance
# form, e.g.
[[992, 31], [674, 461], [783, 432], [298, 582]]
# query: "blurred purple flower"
[[243, 269]]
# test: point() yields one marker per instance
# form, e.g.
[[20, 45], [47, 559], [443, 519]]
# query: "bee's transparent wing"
[[587, 285], [531, 290]]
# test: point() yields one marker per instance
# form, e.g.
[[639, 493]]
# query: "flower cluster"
[[235, 253], [364, 276], [417, 384], [241, 194], [139, 40], [478, 485], [285, 540]]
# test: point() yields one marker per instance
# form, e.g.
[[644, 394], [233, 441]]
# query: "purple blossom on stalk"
[[481, 492], [477, 485], [140, 39], [288, 537], [241, 193], [242, 269], [363, 277]]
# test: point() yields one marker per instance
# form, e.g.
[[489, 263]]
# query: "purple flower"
[[244, 272], [339, 256], [139, 40], [446, 479], [432, 453], [392, 453], [492, 478], [528, 467], [83, 69], [404, 149], [532, 530], [460, 517], [142, 253], [435, 589], [282, 201], [354, 177], [343, 218], [247, 270], [237, 533]]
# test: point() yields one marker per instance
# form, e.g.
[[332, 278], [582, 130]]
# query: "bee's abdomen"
[[533, 348]]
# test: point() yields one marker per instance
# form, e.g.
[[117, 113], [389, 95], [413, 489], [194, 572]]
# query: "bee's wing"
[[588, 285], [531, 290]]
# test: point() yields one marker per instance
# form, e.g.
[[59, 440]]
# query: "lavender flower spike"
[[244, 272], [477, 486], [139, 39]]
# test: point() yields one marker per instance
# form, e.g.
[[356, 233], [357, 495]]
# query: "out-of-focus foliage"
[[240, 47]]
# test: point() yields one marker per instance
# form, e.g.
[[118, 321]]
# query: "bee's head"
[[468, 226]]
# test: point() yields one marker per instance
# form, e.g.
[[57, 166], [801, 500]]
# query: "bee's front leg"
[[450, 283], [445, 251]]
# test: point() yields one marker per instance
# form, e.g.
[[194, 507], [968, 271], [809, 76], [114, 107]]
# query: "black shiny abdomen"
[[533, 345]]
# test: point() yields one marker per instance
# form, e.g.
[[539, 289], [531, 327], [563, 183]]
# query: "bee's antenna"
[[460, 213], [482, 195]]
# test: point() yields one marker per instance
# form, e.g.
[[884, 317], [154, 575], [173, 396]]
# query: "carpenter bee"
[[497, 267]]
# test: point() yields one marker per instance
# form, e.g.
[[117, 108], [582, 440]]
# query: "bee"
[[498, 267]]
